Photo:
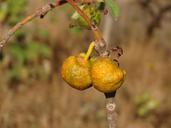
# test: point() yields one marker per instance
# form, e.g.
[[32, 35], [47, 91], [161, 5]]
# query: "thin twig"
[[108, 27], [39, 13], [111, 113], [100, 44], [110, 109]]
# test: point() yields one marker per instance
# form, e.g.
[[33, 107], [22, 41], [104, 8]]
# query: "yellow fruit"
[[107, 77], [76, 72]]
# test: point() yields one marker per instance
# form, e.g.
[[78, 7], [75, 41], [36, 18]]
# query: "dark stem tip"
[[110, 95]]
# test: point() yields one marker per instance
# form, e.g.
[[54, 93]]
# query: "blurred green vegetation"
[[12, 11], [145, 104], [23, 56]]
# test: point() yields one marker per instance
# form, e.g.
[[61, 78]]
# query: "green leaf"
[[36, 49], [113, 7], [16, 10]]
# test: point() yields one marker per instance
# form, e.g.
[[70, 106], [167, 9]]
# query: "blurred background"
[[33, 94]]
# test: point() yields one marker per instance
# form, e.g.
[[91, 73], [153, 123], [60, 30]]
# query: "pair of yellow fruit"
[[80, 72]]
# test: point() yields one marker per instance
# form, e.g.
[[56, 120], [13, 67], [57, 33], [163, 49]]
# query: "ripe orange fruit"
[[106, 75], [76, 72]]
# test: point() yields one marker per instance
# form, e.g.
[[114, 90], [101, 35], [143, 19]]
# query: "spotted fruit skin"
[[107, 77], [76, 72]]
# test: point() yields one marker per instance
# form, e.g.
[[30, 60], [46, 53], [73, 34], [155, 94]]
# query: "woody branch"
[[40, 13]]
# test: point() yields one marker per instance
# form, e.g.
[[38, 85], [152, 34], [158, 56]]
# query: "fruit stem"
[[90, 49], [100, 42], [110, 108]]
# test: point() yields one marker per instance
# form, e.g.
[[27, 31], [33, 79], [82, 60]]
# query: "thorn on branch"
[[39, 13], [45, 9]]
